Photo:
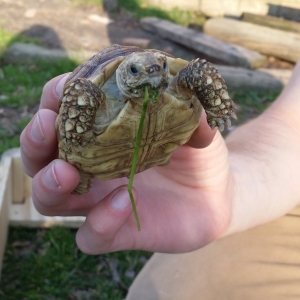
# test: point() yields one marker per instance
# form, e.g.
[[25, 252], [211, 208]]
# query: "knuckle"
[[96, 226], [41, 204]]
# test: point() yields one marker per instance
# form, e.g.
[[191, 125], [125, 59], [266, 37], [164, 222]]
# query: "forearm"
[[264, 157]]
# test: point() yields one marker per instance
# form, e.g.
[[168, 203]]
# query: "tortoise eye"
[[134, 70]]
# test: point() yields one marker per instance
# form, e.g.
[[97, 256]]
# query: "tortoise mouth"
[[141, 88]]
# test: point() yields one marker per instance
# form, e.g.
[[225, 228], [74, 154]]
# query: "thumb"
[[110, 216], [203, 135]]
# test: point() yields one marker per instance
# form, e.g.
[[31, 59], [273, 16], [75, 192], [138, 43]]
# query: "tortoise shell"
[[101, 105]]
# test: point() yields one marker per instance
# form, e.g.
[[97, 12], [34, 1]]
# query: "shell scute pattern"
[[97, 130]]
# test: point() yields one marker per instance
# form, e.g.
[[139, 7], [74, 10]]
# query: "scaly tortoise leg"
[[84, 185], [204, 80], [79, 103]]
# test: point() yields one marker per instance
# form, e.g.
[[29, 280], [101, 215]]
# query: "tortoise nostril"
[[153, 69]]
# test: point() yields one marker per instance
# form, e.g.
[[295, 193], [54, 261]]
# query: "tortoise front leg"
[[79, 103], [202, 79]]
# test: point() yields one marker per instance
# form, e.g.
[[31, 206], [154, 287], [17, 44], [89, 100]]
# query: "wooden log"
[[273, 22], [281, 44], [245, 79], [231, 54], [261, 79], [21, 53]]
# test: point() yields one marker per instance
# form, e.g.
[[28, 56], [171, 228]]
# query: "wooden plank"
[[26, 215], [273, 22], [22, 213], [278, 43], [18, 180], [231, 54], [5, 200]]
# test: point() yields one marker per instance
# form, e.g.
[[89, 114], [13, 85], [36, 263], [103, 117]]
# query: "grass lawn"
[[46, 264], [141, 9]]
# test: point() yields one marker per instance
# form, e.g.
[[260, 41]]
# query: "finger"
[[107, 223], [51, 189], [38, 142], [203, 135], [52, 91]]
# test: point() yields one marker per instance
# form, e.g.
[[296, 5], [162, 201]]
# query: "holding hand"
[[182, 206]]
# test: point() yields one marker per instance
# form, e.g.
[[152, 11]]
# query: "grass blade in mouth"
[[153, 97]]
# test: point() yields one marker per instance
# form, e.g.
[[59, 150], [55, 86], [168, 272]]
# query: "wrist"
[[264, 162]]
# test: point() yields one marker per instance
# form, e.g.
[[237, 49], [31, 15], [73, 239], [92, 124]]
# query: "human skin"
[[211, 187]]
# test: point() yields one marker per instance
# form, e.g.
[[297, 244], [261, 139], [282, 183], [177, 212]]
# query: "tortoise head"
[[142, 69]]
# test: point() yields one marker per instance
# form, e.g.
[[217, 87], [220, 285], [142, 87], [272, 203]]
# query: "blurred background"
[[254, 44]]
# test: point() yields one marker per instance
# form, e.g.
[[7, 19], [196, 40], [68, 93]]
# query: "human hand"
[[182, 206]]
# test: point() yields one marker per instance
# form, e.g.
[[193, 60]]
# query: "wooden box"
[[16, 206]]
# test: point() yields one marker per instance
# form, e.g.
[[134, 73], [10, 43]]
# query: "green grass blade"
[[154, 94], [135, 157]]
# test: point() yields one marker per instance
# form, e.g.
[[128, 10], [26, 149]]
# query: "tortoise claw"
[[221, 127], [233, 115], [228, 122]]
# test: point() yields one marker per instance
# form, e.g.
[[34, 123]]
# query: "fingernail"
[[36, 129], [50, 179], [121, 199], [60, 85]]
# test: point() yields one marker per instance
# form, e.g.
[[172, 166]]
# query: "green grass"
[[46, 264], [5, 38], [10, 140], [22, 84], [142, 9]]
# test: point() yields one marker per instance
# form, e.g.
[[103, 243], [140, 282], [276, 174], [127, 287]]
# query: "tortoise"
[[101, 105]]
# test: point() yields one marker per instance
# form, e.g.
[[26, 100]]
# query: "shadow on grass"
[[21, 84]]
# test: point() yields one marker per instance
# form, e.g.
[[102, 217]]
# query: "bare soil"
[[63, 24]]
